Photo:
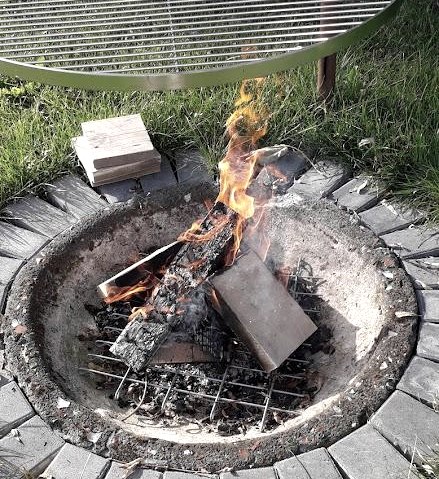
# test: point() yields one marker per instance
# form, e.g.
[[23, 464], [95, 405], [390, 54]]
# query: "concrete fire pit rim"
[[44, 395]]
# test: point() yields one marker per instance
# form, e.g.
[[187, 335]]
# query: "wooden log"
[[137, 271], [260, 311], [192, 265]]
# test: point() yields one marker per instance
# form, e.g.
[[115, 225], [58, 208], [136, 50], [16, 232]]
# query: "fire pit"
[[200, 417]]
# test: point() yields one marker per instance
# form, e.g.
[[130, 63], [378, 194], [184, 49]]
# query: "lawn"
[[387, 89]]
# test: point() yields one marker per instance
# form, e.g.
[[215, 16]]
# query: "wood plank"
[[19, 243], [36, 215], [73, 196], [260, 311], [117, 141]]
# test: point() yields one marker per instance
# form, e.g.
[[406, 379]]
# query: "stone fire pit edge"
[[79, 425]]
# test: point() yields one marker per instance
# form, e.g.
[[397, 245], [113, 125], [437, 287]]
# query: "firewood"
[[192, 265]]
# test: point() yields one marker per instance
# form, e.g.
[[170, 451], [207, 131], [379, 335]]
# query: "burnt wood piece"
[[192, 265], [137, 271], [260, 311]]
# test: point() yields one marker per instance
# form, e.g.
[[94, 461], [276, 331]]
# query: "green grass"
[[387, 88]]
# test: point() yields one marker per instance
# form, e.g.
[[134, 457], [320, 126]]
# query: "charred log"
[[192, 265]]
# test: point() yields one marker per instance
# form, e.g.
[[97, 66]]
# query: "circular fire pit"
[[359, 288]]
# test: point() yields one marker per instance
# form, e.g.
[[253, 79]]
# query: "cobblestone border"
[[382, 448]]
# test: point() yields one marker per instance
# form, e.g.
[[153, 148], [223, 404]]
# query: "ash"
[[226, 397]]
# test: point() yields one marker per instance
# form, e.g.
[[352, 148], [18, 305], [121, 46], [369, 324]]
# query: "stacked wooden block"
[[116, 149]]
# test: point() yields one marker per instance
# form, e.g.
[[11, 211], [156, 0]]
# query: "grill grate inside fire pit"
[[239, 383]]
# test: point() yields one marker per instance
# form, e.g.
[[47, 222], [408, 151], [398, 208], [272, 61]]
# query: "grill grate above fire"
[[252, 387]]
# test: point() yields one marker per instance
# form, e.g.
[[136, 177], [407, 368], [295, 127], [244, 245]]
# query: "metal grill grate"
[[172, 374], [170, 40]]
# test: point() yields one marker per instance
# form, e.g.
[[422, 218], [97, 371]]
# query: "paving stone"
[[278, 173], [75, 197], [191, 167], [36, 215], [358, 194], [32, 446], [14, 407], [118, 472], [318, 464], [259, 473], [319, 182], [72, 461], [19, 243], [8, 269], [428, 341], [290, 468], [421, 380], [365, 454], [120, 191], [424, 272], [388, 217], [187, 475], [414, 242], [165, 178], [428, 302], [407, 423]]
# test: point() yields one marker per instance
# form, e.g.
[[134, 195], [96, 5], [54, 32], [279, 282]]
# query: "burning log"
[[136, 272], [210, 242], [261, 311]]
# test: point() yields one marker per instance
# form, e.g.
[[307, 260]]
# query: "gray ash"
[[180, 394]]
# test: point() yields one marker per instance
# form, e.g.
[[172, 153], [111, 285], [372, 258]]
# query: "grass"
[[387, 88]]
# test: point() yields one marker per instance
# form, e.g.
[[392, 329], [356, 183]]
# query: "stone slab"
[[120, 191], [187, 475], [424, 272], [8, 269], [408, 424], [75, 197], [319, 181], [32, 446], [319, 464], [117, 471], [365, 454], [428, 341], [421, 380], [36, 215], [14, 407], [278, 173], [19, 243], [289, 468], [165, 178], [259, 473], [387, 217], [358, 194], [72, 462], [428, 303], [414, 242], [191, 167]]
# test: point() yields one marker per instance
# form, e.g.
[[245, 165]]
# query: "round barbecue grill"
[[158, 45]]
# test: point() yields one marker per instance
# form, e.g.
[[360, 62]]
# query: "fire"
[[127, 292], [244, 127]]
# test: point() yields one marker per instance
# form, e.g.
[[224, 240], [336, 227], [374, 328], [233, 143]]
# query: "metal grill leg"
[[326, 77]]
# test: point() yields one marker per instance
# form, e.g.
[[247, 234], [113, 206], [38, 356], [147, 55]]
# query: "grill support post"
[[326, 77]]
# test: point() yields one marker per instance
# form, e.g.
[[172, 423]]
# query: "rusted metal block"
[[261, 311]]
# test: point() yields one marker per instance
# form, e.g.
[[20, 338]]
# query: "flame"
[[125, 293]]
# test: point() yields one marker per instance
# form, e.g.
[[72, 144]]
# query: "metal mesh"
[[174, 36]]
